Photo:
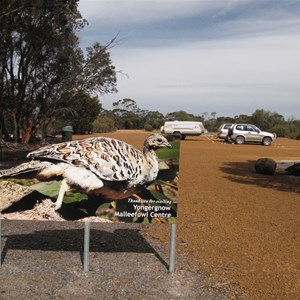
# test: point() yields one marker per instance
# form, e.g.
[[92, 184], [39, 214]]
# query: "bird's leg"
[[63, 188]]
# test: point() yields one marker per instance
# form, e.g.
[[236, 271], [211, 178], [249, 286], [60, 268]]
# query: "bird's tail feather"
[[26, 167]]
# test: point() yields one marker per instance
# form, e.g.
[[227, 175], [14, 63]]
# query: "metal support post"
[[86, 249], [0, 244], [172, 248]]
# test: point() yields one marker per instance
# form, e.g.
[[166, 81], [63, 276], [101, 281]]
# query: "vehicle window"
[[227, 126], [250, 128], [239, 127]]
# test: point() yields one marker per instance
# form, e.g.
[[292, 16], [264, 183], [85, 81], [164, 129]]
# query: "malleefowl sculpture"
[[105, 167]]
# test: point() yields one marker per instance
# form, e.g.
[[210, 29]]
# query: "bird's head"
[[156, 141]]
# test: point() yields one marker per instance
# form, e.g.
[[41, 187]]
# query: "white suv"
[[242, 133], [223, 130]]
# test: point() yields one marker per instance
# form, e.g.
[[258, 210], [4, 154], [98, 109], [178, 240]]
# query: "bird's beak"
[[169, 146]]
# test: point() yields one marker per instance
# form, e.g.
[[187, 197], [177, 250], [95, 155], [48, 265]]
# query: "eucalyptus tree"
[[42, 65], [183, 116], [85, 110], [154, 120], [128, 115], [265, 119]]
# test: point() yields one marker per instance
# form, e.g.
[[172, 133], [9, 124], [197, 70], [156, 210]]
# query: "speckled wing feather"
[[109, 159]]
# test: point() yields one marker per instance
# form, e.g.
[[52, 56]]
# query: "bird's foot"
[[56, 206]]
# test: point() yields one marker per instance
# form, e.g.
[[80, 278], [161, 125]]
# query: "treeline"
[[86, 115], [127, 115]]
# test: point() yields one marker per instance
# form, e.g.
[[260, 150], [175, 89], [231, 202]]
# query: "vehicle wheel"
[[178, 135], [240, 140], [183, 136], [267, 141]]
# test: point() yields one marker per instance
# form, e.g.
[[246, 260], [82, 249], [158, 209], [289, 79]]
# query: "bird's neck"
[[149, 153], [151, 159]]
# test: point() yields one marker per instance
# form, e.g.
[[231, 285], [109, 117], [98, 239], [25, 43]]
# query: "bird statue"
[[104, 167]]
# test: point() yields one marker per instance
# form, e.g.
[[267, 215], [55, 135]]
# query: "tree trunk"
[[15, 126], [4, 132], [28, 131], [1, 126]]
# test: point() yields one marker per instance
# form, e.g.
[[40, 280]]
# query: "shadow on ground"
[[120, 240], [244, 173], [41, 261]]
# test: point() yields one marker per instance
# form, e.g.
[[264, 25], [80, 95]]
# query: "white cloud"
[[141, 11], [214, 76], [231, 57]]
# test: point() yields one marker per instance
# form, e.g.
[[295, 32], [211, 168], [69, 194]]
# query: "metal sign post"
[[0, 244], [172, 248], [86, 247]]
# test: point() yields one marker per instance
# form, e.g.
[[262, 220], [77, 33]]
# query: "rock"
[[265, 166], [294, 169]]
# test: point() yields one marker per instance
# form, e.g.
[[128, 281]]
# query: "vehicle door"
[[252, 134]]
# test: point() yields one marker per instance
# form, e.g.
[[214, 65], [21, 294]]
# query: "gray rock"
[[294, 169], [265, 166]]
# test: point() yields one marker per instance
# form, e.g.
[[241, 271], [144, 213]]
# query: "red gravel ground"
[[236, 223]]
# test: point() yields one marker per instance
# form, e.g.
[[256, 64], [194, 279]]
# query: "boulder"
[[265, 166], [294, 169]]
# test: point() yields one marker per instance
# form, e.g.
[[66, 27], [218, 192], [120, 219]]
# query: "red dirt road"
[[237, 224]]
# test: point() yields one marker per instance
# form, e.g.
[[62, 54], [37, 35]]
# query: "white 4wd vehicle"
[[223, 130], [242, 133]]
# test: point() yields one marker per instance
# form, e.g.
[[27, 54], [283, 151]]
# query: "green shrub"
[[148, 127], [280, 130], [104, 124], [294, 131]]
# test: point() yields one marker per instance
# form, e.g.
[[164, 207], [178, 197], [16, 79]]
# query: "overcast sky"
[[225, 56]]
